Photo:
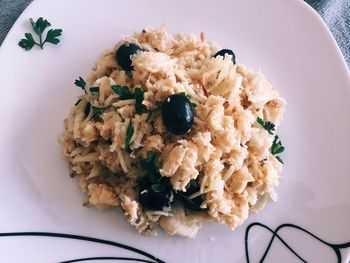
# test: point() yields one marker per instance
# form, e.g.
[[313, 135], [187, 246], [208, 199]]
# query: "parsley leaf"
[[150, 113], [277, 148], [268, 126], [78, 101], [123, 92], [98, 111], [52, 36], [39, 27], [28, 42], [139, 95], [279, 159], [87, 109], [129, 133], [149, 166], [81, 84], [95, 89]]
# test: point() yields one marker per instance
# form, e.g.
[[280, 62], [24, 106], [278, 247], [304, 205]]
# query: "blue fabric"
[[336, 13]]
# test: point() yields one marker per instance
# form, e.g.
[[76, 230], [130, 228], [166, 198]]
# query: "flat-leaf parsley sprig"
[[80, 82], [39, 27]]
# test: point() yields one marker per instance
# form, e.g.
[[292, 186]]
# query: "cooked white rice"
[[227, 151]]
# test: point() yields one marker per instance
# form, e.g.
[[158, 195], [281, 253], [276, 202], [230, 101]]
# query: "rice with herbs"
[[226, 154]]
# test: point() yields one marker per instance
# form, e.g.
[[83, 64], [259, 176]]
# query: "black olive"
[[124, 54], [222, 53], [177, 114], [158, 196]]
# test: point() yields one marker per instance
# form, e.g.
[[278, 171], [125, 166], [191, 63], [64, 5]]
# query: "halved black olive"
[[222, 53], [158, 196], [124, 54]]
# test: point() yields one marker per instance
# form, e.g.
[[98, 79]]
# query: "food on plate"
[[175, 132]]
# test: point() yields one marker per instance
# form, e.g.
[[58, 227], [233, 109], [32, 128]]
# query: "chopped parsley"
[[39, 27], [139, 107], [277, 148], [78, 101], [150, 113], [87, 109], [149, 166], [98, 111], [268, 126], [94, 89], [81, 84], [279, 159], [129, 133], [123, 92]]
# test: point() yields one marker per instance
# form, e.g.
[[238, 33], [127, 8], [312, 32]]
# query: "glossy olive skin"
[[222, 53], [124, 54], [177, 114], [157, 197]]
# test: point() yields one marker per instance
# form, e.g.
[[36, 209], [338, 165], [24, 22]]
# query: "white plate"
[[286, 39]]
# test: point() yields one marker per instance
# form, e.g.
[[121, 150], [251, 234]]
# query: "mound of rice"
[[227, 151]]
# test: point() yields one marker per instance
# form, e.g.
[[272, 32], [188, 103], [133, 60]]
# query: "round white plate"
[[293, 48]]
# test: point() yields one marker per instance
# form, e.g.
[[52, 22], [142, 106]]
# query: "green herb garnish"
[[81, 84], [123, 92], [129, 133], [28, 42], [87, 109], [150, 113], [39, 27], [78, 101], [139, 107], [149, 166], [279, 159], [98, 111], [277, 148], [95, 89], [268, 126]]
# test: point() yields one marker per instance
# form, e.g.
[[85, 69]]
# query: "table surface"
[[336, 14]]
